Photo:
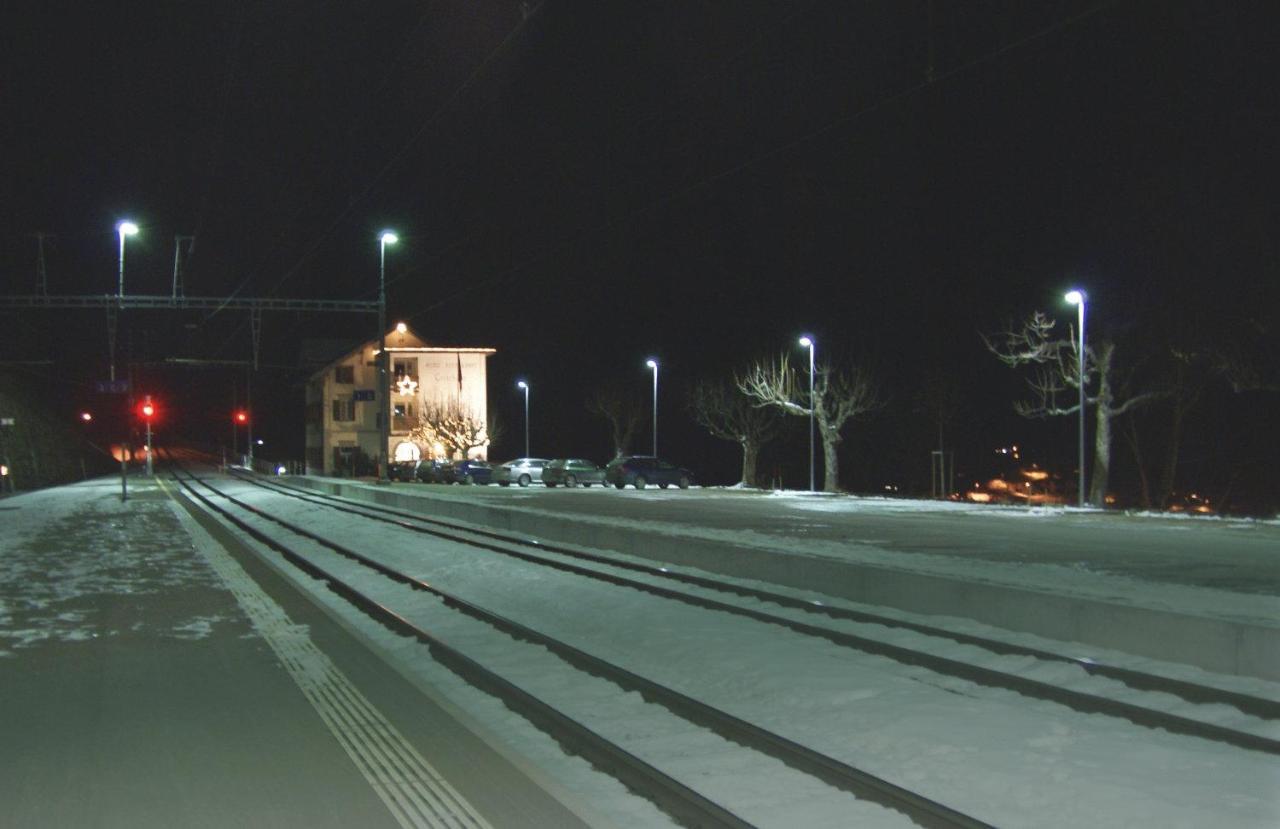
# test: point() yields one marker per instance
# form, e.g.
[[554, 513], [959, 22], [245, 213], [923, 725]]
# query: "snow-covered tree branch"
[[838, 397], [452, 424], [728, 414], [1054, 364]]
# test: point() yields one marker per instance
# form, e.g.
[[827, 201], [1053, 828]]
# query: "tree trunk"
[[1101, 453], [750, 459], [1102, 430], [1144, 484], [830, 463], [1168, 472]]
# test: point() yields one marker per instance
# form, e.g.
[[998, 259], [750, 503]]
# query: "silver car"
[[522, 471]]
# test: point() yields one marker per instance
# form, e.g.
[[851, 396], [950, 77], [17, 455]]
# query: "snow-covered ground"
[[993, 754], [990, 753]]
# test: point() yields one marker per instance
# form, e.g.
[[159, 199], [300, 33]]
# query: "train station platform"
[[152, 674], [1200, 593]]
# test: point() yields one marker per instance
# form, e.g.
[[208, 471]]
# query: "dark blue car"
[[641, 470], [470, 472]]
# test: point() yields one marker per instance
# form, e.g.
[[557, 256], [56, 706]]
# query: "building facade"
[[427, 384]]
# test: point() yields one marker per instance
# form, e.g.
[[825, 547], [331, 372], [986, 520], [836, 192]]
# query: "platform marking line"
[[410, 787]]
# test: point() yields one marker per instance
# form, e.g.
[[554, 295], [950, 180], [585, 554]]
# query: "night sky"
[[585, 185]]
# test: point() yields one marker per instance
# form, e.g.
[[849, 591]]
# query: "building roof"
[[397, 343]]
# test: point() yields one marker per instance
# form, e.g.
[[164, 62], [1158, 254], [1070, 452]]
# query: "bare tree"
[[730, 415], [837, 397], [623, 411], [1055, 384], [454, 425]]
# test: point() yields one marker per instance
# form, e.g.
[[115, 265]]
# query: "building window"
[[406, 368], [345, 375], [344, 411]]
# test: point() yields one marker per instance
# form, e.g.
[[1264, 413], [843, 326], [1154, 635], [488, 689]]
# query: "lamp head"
[[806, 341], [127, 228], [1075, 297], [653, 364], [522, 385], [388, 238]]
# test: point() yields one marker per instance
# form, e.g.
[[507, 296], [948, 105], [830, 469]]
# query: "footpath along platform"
[[152, 677]]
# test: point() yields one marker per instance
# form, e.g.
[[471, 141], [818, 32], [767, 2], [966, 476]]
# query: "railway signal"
[[147, 411]]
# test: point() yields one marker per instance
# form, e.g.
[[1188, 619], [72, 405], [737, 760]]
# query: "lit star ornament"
[[406, 385]]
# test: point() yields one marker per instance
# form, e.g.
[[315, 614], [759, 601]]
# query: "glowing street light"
[[125, 228], [523, 385], [384, 391], [1077, 298], [653, 364], [808, 343]]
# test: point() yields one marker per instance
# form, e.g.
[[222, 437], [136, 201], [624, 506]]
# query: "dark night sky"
[[698, 181]]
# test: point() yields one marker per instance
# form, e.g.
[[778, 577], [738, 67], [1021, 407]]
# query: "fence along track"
[[836, 773], [1076, 700]]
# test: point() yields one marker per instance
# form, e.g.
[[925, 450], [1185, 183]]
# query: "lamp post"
[[523, 385], [653, 364], [384, 390], [125, 228], [808, 342], [1078, 298]]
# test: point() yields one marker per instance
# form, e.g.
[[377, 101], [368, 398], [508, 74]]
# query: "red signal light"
[[242, 417], [147, 410]]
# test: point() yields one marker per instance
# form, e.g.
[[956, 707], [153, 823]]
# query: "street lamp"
[[384, 390], [125, 228], [653, 364], [808, 343], [1077, 298], [523, 385]]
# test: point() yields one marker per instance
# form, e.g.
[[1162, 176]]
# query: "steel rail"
[[1076, 700], [668, 794], [862, 784]]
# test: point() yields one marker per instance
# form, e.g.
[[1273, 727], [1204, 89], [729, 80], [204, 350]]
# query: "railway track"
[[1150, 713], [486, 661]]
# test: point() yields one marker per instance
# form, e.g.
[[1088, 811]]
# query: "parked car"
[[641, 470], [432, 472], [402, 470], [470, 472], [522, 471], [571, 472]]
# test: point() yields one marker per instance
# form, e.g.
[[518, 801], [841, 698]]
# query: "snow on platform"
[[1203, 592]]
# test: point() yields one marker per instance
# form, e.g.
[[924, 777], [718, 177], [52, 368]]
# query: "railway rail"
[[679, 799], [1148, 716]]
